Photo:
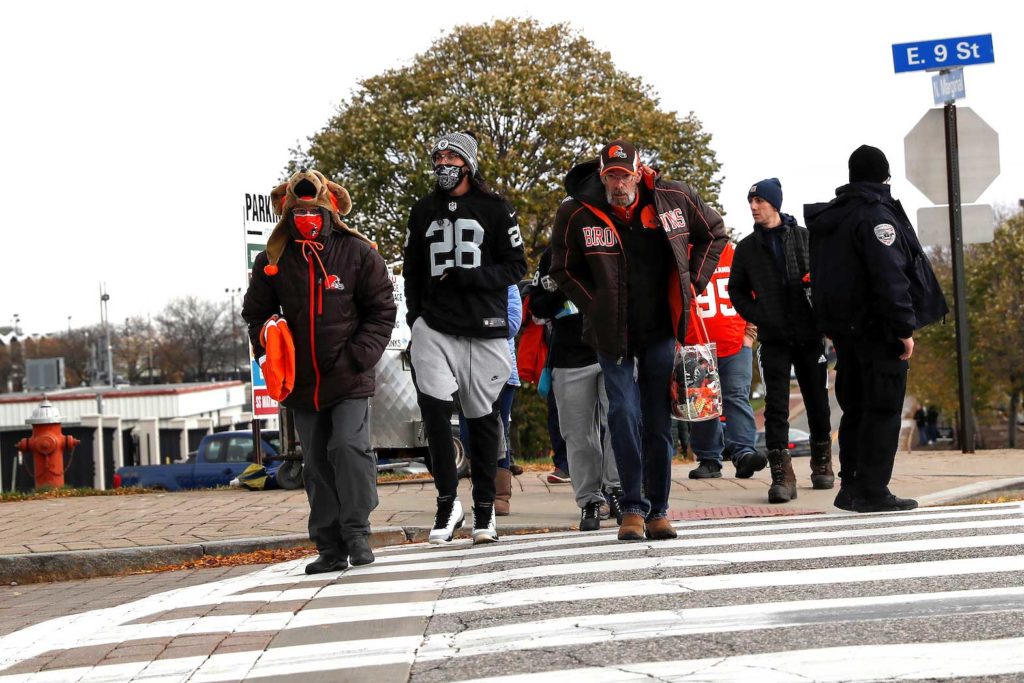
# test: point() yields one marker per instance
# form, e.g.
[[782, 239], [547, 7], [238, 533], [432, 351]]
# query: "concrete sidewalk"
[[66, 538]]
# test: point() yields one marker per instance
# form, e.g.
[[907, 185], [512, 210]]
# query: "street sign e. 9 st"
[[946, 53]]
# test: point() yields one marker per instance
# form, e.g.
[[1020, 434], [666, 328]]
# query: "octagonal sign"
[[925, 149]]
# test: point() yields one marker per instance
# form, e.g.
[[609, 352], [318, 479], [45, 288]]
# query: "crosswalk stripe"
[[687, 529], [900, 662], [647, 563], [644, 587], [599, 628], [618, 547]]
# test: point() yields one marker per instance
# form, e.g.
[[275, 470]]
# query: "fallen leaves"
[[270, 556]]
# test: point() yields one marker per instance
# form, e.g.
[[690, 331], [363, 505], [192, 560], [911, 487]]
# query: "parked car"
[[799, 443], [220, 458]]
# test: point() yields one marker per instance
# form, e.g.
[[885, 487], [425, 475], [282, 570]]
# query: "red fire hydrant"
[[47, 445]]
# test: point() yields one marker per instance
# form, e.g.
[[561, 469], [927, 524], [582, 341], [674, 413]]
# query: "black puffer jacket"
[[589, 264], [341, 316], [870, 274], [762, 294]]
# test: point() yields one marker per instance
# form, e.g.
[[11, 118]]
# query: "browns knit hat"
[[306, 189], [868, 164]]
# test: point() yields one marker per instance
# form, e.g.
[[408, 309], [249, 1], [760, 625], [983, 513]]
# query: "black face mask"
[[448, 176]]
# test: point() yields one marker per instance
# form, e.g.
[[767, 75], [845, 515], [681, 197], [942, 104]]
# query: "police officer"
[[872, 287]]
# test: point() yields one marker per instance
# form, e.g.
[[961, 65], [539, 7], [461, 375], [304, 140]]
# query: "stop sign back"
[[925, 150]]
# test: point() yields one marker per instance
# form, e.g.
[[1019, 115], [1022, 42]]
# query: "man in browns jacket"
[[333, 289], [627, 248]]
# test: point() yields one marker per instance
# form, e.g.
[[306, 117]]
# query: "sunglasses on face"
[[305, 212]]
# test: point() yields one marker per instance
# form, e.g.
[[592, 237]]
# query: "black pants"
[[340, 472], [871, 382], [811, 367], [484, 434]]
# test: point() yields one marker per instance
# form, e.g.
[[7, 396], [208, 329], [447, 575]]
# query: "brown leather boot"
[[822, 476], [632, 527], [660, 529], [503, 492], [783, 488]]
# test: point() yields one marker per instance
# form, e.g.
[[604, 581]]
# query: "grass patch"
[[70, 492]]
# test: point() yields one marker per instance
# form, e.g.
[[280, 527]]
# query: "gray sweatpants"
[[582, 410], [340, 472]]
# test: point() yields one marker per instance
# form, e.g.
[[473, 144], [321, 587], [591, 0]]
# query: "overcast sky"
[[131, 131]]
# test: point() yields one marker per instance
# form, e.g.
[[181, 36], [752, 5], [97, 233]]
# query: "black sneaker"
[[449, 517], [590, 517], [748, 463], [326, 563], [707, 469], [844, 499], [484, 529], [614, 510], [889, 503]]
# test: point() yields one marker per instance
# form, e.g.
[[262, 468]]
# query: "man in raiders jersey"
[[462, 251]]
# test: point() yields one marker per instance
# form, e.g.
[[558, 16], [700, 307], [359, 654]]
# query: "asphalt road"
[[934, 594]]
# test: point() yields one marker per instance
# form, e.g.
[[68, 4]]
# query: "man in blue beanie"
[[770, 287]]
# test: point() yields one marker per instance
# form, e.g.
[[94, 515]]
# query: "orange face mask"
[[309, 226]]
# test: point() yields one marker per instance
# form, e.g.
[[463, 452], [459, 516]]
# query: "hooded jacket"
[[869, 272], [566, 348], [589, 264], [339, 302], [773, 300]]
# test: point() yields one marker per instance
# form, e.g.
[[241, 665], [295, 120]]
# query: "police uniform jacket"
[[869, 274]]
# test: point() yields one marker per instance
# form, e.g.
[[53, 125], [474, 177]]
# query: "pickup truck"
[[220, 458]]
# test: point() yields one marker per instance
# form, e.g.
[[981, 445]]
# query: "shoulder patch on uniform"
[[885, 233]]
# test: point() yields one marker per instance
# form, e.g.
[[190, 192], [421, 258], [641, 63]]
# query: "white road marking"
[[674, 586], [602, 628], [663, 562], [687, 529], [901, 662], [618, 547]]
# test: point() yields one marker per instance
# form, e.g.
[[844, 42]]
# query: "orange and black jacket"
[[589, 264], [339, 302]]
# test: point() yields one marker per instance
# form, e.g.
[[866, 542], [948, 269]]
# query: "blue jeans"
[[641, 430], [708, 439]]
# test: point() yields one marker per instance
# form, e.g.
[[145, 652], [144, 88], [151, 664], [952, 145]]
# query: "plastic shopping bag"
[[696, 388]]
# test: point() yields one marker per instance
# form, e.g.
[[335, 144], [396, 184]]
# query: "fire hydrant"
[[47, 445]]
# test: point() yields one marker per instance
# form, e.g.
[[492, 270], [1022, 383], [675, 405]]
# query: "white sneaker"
[[484, 529], [449, 518]]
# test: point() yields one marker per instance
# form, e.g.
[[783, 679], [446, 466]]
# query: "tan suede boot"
[[783, 488], [503, 492], [632, 527]]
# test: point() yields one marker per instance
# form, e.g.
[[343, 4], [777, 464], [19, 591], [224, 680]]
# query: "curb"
[[87, 564], [970, 492]]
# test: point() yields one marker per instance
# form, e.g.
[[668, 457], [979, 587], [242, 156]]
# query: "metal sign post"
[[956, 243], [948, 56]]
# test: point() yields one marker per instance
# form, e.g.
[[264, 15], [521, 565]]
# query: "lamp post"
[[232, 291], [104, 298]]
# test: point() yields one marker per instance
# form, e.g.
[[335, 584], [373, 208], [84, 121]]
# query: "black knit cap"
[[868, 164]]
